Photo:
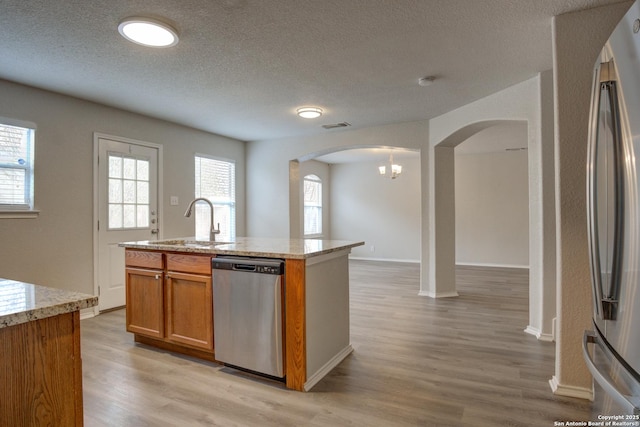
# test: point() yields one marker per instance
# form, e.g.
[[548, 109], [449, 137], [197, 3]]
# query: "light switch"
[[174, 200]]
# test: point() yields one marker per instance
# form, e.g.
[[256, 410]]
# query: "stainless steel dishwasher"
[[247, 313]]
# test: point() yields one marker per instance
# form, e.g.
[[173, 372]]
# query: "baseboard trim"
[[327, 367], [538, 334], [438, 295], [483, 264], [359, 258], [87, 313], [570, 391]]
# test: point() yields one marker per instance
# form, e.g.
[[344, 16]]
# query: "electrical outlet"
[[174, 200], [373, 248]]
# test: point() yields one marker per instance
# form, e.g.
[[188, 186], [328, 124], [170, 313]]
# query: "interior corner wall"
[[383, 212], [577, 39], [56, 248], [492, 209]]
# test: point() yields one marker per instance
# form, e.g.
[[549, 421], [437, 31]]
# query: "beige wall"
[[56, 249], [492, 208], [578, 38], [383, 212]]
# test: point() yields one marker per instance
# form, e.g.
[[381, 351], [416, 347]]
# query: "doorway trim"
[[96, 137]]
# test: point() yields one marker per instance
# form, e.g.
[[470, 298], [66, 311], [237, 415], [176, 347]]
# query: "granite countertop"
[[23, 302], [249, 246]]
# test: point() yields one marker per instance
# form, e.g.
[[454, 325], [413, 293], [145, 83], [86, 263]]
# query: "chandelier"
[[390, 170]]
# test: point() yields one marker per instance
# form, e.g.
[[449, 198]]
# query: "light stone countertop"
[[249, 246], [23, 302]]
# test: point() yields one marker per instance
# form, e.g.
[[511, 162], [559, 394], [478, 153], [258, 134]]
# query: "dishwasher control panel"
[[249, 265]]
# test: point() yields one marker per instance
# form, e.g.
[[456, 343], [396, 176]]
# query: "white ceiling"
[[242, 67]]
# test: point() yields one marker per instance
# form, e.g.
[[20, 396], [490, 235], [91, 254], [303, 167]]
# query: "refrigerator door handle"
[[605, 381]]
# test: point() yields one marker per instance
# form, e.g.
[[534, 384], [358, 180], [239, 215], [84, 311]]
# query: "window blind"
[[312, 189], [215, 180], [16, 167]]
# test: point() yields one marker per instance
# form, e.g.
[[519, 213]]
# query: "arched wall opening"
[[383, 212]]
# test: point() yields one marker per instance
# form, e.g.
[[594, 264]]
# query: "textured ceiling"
[[242, 67]]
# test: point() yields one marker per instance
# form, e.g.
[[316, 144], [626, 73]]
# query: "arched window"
[[312, 188]]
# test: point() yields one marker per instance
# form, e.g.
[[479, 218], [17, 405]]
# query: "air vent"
[[336, 125], [516, 149]]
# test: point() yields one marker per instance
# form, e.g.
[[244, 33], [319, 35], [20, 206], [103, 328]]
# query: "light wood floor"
[[417, 362]]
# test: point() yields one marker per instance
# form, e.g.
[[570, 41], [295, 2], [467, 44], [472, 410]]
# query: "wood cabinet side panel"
[[295, 329], [41, 372]]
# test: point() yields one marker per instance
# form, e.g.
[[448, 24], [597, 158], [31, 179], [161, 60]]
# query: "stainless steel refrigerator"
[[612, 348]]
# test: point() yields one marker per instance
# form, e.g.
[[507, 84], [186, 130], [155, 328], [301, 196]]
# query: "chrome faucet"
[[213, 231]]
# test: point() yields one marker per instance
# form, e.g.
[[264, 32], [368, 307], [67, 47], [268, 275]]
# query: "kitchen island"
[[170, 298], [41, 372]]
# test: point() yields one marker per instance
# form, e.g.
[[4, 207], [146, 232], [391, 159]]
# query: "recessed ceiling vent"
[[336, 125], [516, 149]]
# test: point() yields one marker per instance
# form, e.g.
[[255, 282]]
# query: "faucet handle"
[[218, 230]]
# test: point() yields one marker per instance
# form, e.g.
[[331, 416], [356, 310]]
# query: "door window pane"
[[128, 192]]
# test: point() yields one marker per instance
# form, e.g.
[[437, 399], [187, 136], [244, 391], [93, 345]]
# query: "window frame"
[[27, 210], [317, 180], [231, 204]]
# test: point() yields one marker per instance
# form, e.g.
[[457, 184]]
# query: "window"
[[216, 181], [16, 167], [128, 192], [312, 205]]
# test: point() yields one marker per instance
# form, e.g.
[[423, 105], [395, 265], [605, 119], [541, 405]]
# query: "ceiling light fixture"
[[148, 32], [309, 112]]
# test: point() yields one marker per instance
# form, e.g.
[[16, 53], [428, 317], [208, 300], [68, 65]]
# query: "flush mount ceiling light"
[[148, 32], [309, 112]]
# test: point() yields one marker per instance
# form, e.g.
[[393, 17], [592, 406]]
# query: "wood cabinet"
[[145, 302], [169, 299], [189, 309]]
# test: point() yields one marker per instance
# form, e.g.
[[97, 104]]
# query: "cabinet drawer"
[[189, 263], [144, 259]]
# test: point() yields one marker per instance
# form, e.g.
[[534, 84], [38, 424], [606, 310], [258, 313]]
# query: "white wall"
[[383, 212], [492, 198], [56, 249], [492, 209], [268, 168]]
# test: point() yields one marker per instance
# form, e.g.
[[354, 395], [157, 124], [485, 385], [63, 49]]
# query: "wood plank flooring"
[[417, 362]]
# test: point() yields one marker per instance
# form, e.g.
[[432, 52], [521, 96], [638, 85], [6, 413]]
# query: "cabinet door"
[[190, 310], [145, 302]]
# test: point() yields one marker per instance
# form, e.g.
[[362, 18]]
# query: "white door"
[[127, 204]]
